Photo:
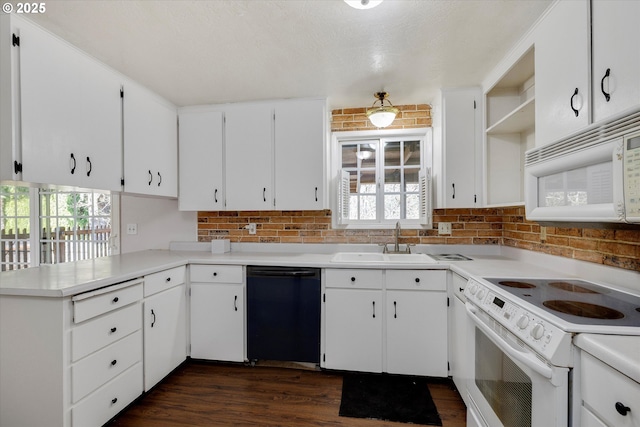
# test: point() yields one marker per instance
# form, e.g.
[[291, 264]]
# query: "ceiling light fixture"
[[363, 4], [384, 115]]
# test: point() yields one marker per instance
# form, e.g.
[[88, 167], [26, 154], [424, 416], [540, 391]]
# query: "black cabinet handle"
[[114, 362], [572, 107], [316, 194], [461, 289], [73, 165], [113, 330], [454, 191], [353, 279], [622, 409], [114, 400], [153, 322], [215, 196], [417, 280], [168, 279], [374, 309], [607, 73], [235, 303], [215, 273], [264, 194], [115, 300], [395, 310], [150, 177], [90, 166], [159, 179]]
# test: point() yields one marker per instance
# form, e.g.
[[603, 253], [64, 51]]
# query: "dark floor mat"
[[388, 397]]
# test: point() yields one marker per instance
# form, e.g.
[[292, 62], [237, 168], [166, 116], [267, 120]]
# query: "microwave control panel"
[[632, 177]]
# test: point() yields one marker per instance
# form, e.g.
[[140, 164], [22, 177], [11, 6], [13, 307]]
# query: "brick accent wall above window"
[[410, 116]]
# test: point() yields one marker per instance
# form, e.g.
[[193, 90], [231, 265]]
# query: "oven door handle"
[[528, 359]]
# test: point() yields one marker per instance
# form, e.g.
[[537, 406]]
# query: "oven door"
[[510, 386]]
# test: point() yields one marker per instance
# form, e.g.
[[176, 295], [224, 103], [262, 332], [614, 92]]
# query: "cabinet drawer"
[[157, 282], [353, 278], [216, 273], [102, 405], [92, 304], [428, 280], [95, 370], [100, 332], [603, 387]]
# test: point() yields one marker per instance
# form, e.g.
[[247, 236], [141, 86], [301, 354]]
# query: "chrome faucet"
[[396, 247]]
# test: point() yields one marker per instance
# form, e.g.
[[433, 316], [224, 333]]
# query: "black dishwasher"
[[283, 314]]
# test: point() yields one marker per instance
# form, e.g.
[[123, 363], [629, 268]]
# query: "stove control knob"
[[537, 331], [523, 321], [473, 289], [480, 294]]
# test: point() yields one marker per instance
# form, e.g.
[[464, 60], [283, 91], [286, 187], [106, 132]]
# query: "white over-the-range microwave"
[[590, 177]]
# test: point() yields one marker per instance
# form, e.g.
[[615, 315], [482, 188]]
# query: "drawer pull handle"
[[374, 309], [168, 279], [235, 302], [395, 310], [215, 274], [116, 299], [113, 330], [114, 400], [622, 409], [114, 362], [150, 177], [353, 279], [153, 322], [417, 280]]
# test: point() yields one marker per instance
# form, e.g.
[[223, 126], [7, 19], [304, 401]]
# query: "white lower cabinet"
[[165, 334], [386, 321], [353, 329]]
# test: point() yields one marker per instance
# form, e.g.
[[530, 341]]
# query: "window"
[[72, 226], [382, 179]]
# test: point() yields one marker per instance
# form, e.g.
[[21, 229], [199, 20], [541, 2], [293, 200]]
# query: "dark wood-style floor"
[[214, 394]]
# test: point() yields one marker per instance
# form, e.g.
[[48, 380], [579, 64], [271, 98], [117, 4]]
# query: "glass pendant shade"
[[363, 4], [384, 115]]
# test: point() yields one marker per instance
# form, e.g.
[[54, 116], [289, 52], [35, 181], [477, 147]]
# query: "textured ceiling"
[[200, 52]]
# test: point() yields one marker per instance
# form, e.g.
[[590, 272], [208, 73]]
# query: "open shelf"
[[520, 119]]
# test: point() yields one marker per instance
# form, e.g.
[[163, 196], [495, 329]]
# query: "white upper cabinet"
[[299, 154], [201, 165], [562, 72], [616, 56], [150, 143], [249, 157], [461, 135], [70, 114]]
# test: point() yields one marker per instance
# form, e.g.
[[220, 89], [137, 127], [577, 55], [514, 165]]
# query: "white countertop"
[[621, 352]]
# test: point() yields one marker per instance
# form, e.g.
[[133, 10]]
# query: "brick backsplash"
[[410, 116], [486, 226]]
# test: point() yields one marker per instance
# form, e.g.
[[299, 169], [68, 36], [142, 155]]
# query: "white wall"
[[159, 222]]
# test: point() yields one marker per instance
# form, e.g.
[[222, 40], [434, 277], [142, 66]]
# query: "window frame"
[[338, 139]]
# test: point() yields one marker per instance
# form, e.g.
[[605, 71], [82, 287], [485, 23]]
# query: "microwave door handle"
[[528, 359]]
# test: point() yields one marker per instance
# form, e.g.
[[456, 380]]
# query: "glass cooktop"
[[576, 301]]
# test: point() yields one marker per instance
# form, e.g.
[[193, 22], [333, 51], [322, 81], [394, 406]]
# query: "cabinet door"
[[249, 157], [417, 333], [353, 330], [150, 143], [562, 67], [462, 127], [165, 334], [299, 155], [49, 104], [217, 322], [201, 162], [616, 56]]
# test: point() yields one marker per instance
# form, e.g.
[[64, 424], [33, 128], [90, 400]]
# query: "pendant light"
[[363, 4], [384, 115]]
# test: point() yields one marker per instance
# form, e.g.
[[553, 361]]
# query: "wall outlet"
[[132, 228], [444, 228], [251, 227]]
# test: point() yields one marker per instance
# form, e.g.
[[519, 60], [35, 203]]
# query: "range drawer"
[[158, 282], [102, 405], [428, 280], [353, 278], [603, 388], [95, 303], [216, 273], [102, 331], [93, 371]]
